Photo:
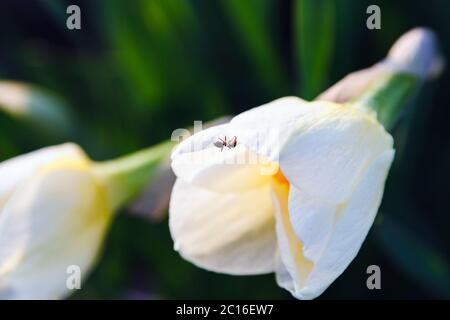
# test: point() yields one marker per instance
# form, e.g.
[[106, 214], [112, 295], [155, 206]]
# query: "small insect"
[[224, 143]]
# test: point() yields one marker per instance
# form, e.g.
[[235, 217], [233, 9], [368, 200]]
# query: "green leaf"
[[137, 62], [314, 32], [253, 22]]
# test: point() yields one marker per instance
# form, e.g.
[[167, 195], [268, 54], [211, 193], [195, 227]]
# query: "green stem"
[[387, 96], [126, 176]]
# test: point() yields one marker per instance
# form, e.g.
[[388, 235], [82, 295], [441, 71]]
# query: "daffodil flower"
[[55, 207], [312, 205], [299, 192]]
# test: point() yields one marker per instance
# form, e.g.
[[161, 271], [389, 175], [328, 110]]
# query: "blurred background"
[[139, 69]]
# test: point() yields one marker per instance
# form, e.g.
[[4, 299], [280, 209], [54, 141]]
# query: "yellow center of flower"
[[280, 178], [280, 186]]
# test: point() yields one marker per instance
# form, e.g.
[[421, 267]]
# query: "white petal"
[[18, 169], [264, 129], [200, 140], [259, 131], [56, 220], [332, 253], [291, 262], [330, 149], [230, 170], [224, 232], [312, 221]]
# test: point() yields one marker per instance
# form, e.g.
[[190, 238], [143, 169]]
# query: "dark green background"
[[140, 69]]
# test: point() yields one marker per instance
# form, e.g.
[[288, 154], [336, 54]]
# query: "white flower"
[[54, 212], [55, 208], [296, 196]]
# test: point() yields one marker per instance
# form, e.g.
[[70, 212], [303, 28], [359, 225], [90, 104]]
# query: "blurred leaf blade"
[[251, 20], [139, 65], [314, 32]]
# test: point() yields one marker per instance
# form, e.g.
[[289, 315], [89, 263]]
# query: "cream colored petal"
[[260, 129], [332, 253], [312, 221], [260, 132], [18, 169], [330, 149], [230, 170], [224, 232], [200, 140], [264, 129], [55, 220], [292, 266]]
